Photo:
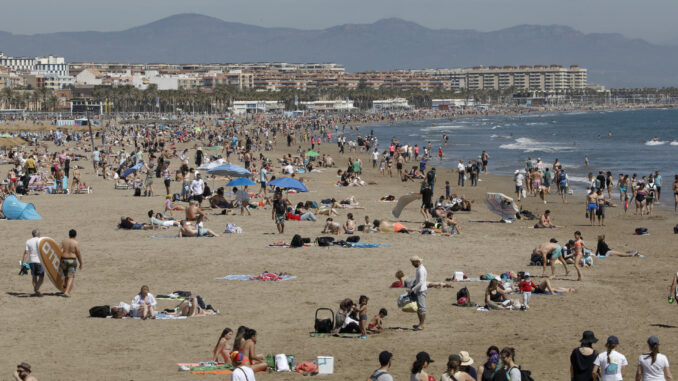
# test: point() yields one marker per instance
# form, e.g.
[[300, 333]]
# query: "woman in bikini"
[[675, 194], [256, 361], [578, 252], [641, 194], [223, 348]]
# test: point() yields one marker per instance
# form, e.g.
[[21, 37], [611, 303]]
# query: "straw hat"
[[416, 258]]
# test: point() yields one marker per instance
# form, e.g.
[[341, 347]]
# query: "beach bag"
[[325, 241], [353, 239], [137, 192], [281, 364], [410, 307], [641, 231], [675, 229], [403, 299], [100, 311], [297, 241], [324, 325], [463, 293]]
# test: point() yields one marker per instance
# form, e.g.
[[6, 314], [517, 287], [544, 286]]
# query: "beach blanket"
[[366, 244], [164, 316], [261, 277], [286, 246]]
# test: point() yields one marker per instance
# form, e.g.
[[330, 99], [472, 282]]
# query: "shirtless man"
[[556, 252], [545, 221], [186, 230], [71, 252], [75, 183], [349, 225], [592, 206], [193, 211]]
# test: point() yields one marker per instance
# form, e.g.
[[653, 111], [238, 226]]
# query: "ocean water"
[[568, 137]]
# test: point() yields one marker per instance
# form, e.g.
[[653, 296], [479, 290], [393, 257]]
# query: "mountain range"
[[611, 59]]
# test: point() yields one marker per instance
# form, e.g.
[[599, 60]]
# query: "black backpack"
[[297, 241], [525, 375], [353, 238], [324, 325], [100, 311], [675, 229], [137, 192], [325, 241]]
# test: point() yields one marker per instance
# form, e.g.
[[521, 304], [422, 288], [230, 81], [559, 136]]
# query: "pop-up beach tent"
[[14, 209]]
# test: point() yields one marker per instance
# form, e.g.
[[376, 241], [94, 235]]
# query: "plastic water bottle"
[[670, 299]]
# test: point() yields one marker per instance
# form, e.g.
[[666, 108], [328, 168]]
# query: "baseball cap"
[[613, 340], [652, 340], [423, 356], [385, 357]]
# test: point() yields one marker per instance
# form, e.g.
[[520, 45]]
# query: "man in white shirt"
[[518, 177], [197, 188], [461, 168], [288, 169], [419, 291], [33, 253]]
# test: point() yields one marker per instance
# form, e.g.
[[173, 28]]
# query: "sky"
[[652, 20]]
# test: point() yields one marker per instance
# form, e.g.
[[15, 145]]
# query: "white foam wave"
[[531, 145], [578, 179], [537, 124], [674, 143], [655, 143], [444, 127]]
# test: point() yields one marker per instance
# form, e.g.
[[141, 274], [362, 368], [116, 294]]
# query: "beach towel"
[[164, 236], [286, 246], [365, 244], [164, 316], [261, 277]]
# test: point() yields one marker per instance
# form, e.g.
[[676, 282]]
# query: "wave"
[[578, 179], [537, 124], [444, 127], [674, 143], [655, 143], [531, 145]]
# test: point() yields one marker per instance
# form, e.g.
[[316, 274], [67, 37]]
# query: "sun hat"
[[416, 258], [613, 340], [385, 357], [423, 356], [517, 171], [465, 358], [588, 338], [526, 274], [653, 340]]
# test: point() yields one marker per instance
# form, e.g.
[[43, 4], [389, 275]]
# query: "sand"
[[618, 296]]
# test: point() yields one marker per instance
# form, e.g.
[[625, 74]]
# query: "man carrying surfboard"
[[71, 252]]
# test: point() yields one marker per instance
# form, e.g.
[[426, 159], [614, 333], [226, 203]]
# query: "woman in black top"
[[581, 359], [604, 250]]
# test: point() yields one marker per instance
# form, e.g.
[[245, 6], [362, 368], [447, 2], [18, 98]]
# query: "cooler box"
[[325, 365]]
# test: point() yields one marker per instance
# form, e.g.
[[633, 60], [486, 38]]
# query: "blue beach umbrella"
[[288, 183], [240, 182], [231, 170]]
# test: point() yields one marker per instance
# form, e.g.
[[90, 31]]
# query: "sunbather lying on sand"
[[409, 282], [128, 223], [187, 230], [396, 227]]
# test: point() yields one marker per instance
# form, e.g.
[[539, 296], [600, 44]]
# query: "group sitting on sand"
[[244, 348]]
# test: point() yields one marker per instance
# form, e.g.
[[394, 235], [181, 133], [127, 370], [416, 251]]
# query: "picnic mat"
[[263, 277]]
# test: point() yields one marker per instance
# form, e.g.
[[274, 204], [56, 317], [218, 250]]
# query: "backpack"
[[100, 311], [325, 241], [641, 231], [525, 375], [376, 375], [297, 241], [562, 178], [675, 229], [137, 192], [353, 238]]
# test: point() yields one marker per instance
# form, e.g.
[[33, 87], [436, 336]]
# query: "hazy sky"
[[653, 20]]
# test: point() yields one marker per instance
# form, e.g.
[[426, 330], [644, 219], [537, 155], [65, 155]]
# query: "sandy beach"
[[618, 296]]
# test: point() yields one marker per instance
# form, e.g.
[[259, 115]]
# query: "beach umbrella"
[[312, 154], [240, 182], [403, 201], [288, 183], [501, 205], [230, 170]]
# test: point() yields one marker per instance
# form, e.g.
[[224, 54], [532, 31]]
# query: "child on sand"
[[377, 322], [361, 309]]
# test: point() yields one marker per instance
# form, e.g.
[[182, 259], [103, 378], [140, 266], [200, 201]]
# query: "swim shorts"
[[280, 219], [68, 265], [592, 206], [557, 252], [421, 302], [36, 269]]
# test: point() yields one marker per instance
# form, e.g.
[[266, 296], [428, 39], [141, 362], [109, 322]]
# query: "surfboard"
[[403, 201], [50, 256]]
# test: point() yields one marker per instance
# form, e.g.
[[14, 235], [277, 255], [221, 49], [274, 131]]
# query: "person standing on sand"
[[71, 251], [419, 291], [33, 253], [581, 359], [484, 157], [382, 374], [461, 170], [278, 211]]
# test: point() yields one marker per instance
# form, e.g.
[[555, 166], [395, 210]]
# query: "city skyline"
[[605, 16]]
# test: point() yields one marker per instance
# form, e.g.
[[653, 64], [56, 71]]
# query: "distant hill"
[[612, 59]]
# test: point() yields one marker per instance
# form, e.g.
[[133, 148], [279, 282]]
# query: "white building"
[[444, 104], [53, 70], [390, 104], [89, 77], [255, 107], [333, 105]]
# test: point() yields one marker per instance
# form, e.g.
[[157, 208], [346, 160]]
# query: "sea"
[[621, 141]]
